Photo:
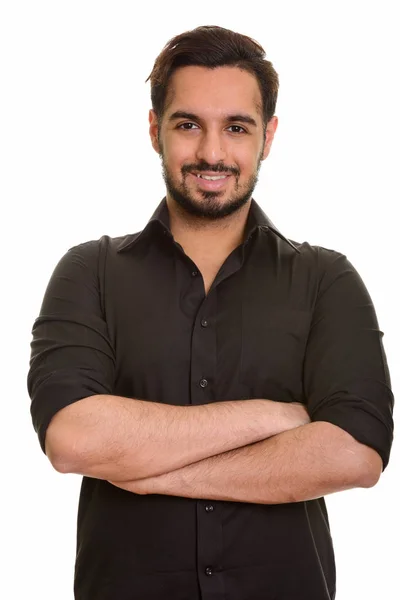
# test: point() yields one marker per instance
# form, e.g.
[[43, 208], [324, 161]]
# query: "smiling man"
[[212, 137], [211, 379]]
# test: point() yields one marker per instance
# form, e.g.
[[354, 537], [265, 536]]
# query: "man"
[[209, 378]]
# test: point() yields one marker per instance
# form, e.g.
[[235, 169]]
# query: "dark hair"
[[211, 47]]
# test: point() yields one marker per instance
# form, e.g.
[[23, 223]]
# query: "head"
[[213, 97]]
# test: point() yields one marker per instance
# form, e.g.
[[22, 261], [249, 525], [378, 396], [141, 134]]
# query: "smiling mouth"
[[211, 177], [212, 182]]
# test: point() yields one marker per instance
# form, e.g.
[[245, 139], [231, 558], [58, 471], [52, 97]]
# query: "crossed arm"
[[257, 451], [303, 463]]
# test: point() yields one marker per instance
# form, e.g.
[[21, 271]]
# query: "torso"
[[208, 283], [209, 273]]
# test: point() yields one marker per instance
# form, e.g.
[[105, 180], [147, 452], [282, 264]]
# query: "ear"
[[153, 130], [271, 128]]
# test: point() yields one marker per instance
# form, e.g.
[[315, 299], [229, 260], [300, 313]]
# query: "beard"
[[209, 207]]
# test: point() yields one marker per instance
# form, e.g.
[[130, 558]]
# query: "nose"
[[211, 147]]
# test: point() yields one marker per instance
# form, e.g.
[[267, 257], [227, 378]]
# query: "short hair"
[[211, 47]]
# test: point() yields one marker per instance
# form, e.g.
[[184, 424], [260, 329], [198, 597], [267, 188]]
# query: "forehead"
[[223, 89]]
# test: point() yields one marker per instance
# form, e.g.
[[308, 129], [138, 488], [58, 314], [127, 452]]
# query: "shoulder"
[[321, 258], [94, 249]]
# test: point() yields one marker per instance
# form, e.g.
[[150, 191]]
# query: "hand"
[[299, 414], [140, 486], [167, 483]]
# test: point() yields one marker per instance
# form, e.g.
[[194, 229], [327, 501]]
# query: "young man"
[[210, 379]]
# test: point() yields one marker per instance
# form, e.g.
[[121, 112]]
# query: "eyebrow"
[[241, 118]]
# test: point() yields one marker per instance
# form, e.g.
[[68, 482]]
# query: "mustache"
[[203, 166]]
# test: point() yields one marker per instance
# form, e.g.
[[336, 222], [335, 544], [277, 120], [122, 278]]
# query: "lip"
[[206, 184]]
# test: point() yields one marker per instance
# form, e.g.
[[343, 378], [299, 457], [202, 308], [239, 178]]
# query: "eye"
[[237, 129], [187, 126]]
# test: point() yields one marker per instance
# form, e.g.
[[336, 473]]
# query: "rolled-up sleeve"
[[71, 353], [346, 376]]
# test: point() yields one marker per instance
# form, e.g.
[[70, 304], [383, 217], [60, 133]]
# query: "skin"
[[301, 464], [209, 225]]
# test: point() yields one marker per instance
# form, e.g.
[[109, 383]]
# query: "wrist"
[[278, 417], [284, 416], [297, 415]]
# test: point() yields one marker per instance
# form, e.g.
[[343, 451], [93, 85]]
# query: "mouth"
[[211, 181]]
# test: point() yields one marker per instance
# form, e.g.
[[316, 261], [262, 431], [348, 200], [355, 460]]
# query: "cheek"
[[247, 158], [247, 168], [175, 158]]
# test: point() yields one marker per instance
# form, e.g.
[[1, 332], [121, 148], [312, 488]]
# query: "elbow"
[[59, 463], [369, 480], [61, 450], [60, 460], [372, 467], [65, 441]]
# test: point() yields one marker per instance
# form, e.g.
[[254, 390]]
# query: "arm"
[[83, 428], [347, 386], [301, 464], [114, 438], [345, 374]]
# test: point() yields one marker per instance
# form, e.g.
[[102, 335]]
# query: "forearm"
[[301, 464], [114, 438]]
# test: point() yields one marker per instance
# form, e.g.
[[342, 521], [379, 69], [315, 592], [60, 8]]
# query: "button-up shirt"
[[284, 321]]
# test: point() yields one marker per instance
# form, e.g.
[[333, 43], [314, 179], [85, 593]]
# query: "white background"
[[76, 163]]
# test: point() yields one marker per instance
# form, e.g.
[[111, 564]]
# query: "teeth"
[[212, 178]]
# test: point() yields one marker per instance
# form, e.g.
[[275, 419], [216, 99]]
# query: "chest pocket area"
[[274, 339]]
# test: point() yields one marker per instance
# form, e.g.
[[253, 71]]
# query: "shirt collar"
[[257, 219]]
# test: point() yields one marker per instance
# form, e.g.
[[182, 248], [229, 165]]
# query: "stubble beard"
[[208, 208]]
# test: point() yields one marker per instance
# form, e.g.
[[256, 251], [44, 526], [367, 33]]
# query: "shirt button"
[[204, 323], [203, 383], [209, 508], [194, 273], [209, 571]]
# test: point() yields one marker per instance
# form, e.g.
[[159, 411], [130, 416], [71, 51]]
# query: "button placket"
[[203, 376]]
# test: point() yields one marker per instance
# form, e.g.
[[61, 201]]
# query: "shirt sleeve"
[[346, 376], [71, 354]]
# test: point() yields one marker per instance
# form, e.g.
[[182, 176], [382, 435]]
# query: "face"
[[211, 139]]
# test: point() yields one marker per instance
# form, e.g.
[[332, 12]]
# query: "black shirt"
[[283, 321]]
